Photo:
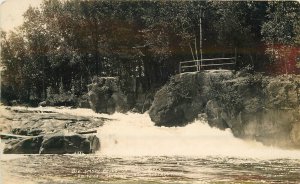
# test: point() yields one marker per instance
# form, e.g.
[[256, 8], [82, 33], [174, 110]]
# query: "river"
[[133, 150]]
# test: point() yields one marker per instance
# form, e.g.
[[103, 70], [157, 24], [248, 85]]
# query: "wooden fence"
[[205, 64]]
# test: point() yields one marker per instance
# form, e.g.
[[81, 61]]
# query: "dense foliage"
[[62, 45]]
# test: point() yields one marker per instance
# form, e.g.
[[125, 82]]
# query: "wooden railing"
[[204, 64]]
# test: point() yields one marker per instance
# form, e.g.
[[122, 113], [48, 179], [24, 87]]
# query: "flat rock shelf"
[[40, 131]]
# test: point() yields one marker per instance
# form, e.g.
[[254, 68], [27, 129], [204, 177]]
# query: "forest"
[[63, 45]]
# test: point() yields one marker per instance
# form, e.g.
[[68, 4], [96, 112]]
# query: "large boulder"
[[62, 144], [83, 102], [43, 131], [30, 145], [53, 144], [183, 98], [105, 95], [253, 106]]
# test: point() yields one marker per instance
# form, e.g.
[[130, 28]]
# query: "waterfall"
[[135, 135]]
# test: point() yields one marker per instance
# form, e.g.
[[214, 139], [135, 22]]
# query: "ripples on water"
[[97, 169], [133, 149]]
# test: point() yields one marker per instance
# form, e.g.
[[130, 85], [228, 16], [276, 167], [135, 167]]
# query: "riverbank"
[[43, 120], [49, 130], [253, 106], [134, 150]]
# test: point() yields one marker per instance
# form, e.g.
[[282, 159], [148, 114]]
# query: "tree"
[[281, 35], [70, 42]]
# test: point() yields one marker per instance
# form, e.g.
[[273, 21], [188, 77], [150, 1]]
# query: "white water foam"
[[136, 135]]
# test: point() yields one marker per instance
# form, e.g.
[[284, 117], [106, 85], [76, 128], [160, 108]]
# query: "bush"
[[64, 99]]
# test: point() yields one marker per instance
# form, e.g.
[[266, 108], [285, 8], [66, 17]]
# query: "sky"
[[11, 12]]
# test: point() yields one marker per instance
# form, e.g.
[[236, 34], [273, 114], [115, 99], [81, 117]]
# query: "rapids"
[[133, 150], [135, 135]]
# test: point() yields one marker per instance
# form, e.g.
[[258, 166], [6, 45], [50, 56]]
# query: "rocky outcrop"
[[105, 96], [31, 122], [256, 107], [47, 132], [183, 98], [23, 146], [53, 144], [62, 144], [110, 94], [83, 102]]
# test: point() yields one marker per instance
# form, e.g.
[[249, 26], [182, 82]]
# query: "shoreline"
[[45, 130]]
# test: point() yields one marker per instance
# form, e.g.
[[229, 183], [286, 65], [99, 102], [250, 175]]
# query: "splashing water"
[[133, 150], [135, 135]]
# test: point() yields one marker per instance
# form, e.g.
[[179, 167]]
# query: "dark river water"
[[160, 169], [134, 151]]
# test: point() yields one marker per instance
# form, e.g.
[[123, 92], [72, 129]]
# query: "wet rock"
[[180, 101], [32, 123], [44, 103], [26, 146], [163, 110], [54, 144], [83, 102], [295, 134], [112, 94], [94, 143], [215, 115], [255, 107], [27, 131], [5, 119], [41, 131], [62, 144], [143, 100], [105, 96]]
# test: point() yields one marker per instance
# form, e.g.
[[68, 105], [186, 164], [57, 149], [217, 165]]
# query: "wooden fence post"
[[235, 56], [179, 68]]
